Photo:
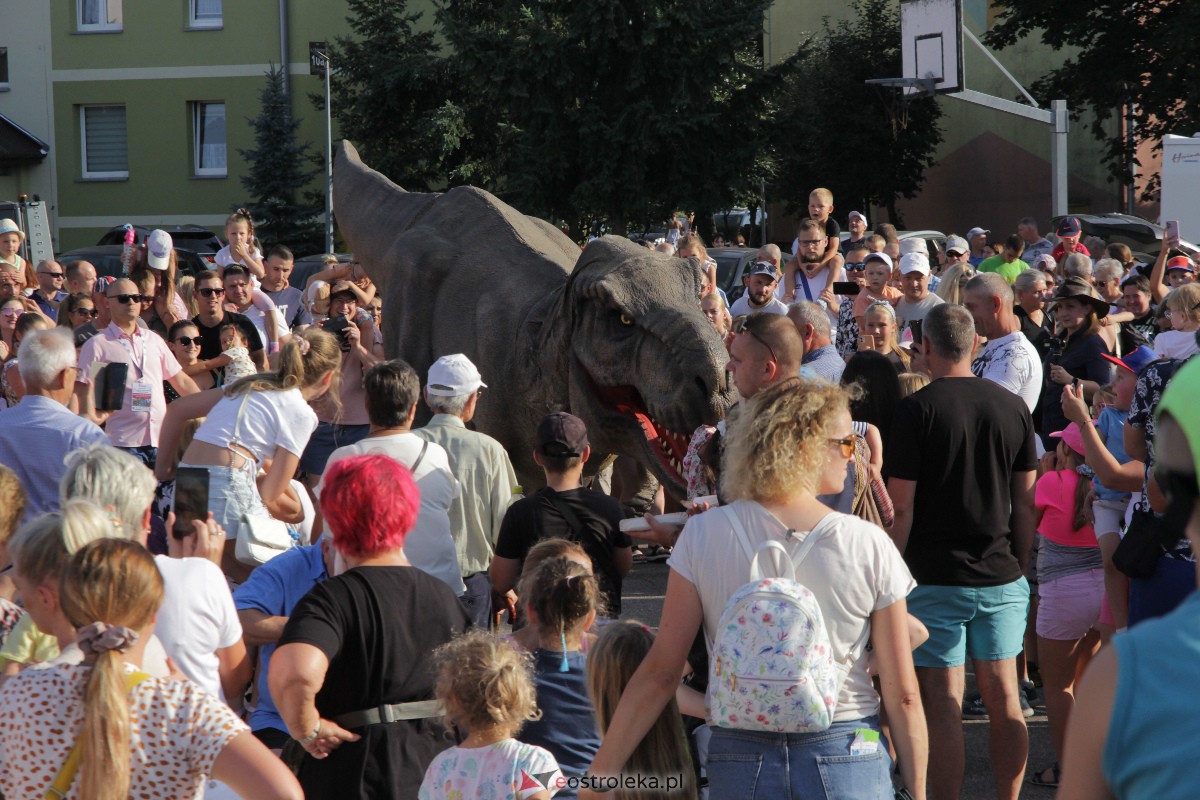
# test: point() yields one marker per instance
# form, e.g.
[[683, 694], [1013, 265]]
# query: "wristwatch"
[[312, 737]]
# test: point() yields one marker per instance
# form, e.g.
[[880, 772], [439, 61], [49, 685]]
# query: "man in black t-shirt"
[[210, 297], [961, 463], [566, 510]]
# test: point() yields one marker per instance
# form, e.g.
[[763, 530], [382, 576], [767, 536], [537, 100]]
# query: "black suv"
[[195, 238]]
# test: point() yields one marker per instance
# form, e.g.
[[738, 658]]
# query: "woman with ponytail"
[[103, 729], [261, 422]]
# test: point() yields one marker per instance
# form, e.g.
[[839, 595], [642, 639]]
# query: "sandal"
[[1037, 778]]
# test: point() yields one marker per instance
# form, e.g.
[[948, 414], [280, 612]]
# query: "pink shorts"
[[1069, 606]]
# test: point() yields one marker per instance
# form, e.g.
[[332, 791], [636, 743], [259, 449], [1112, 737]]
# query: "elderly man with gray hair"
[[39, 431], [820, 356], [482, 467], [1075, 265], [1008, 358]]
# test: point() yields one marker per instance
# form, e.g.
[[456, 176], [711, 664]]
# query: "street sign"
[[318, 58]]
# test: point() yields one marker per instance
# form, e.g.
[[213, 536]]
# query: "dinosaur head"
[[645, 367]]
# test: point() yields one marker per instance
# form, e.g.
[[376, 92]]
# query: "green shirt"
[[482, 467], [1007, 270]]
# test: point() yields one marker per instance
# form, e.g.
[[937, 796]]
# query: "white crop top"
[[270, 420]]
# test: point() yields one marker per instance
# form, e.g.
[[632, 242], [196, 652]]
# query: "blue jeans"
[[754, 765]]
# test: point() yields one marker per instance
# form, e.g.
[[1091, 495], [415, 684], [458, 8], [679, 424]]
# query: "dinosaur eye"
[[626, 319]]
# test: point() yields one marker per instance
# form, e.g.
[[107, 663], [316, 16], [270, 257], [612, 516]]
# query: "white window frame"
[[197, 126], [112, 174], [195, 20], [106, 26]]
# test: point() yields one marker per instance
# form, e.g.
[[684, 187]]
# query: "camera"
[[337, 326]]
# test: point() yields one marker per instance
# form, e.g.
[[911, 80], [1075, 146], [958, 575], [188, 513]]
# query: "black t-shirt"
[[1083, 359], [377, 626], [211, 337], [961, 440], [1138, 332], [833, 230], [534, 518]]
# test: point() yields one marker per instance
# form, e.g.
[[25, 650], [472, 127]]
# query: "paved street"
[[642, 598]]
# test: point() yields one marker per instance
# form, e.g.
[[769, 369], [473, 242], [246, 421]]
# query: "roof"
[[19, 146]]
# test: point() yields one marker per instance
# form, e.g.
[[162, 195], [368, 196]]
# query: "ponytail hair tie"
[[302, 345], [100, 638]]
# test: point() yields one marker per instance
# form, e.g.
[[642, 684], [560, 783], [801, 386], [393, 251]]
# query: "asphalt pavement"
[[642, 596]]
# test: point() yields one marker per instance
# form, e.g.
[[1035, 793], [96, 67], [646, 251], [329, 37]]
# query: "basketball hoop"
[[896, 102]]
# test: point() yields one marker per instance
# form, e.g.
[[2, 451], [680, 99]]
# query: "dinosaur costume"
[[614, 334]]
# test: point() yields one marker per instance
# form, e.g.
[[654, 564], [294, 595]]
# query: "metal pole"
[[1058, 157], [1130, 146], [283, 49], [328, 161]]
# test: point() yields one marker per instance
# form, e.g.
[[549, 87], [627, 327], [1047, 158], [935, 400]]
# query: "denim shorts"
[[986, 623], [232, 494], [756, 765]]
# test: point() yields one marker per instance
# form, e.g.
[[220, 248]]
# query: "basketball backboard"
[[932, 44]]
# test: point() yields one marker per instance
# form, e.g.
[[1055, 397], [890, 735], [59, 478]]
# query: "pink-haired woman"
[[350, 676]]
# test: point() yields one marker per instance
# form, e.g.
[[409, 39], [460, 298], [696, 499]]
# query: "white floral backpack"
[[771, 665]]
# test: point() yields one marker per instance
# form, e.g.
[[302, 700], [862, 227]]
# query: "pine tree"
[[279, 172]]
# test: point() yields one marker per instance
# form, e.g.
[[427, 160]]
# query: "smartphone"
[[846, 287], [109, 386], [336, 326], [1172, 233], [191, 499], [915, 327], [866, 343]]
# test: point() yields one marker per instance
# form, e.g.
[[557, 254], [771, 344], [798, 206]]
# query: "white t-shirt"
[[506, 770], [907, 311], [197, 618], [742, 306], [429, 546], [852, 572], [1011, 361], [270, 420], [1176, 344], [256, 316]]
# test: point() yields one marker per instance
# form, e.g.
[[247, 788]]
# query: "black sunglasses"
[[855, 266], [186, 342], [91, 312], [742, 325], [125, 299], [209, 291]]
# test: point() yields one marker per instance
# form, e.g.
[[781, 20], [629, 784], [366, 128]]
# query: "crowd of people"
[[231, 563]]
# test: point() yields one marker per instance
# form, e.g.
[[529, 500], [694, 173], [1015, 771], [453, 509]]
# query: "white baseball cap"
[[914, 262], [914, 244], [158, 249], [858, 214], [454, 375]]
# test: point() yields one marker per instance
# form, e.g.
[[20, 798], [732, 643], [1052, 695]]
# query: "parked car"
[[107, 260], [933, 239], [311, 265], [1142, 236], [195, 238], [733, 263]]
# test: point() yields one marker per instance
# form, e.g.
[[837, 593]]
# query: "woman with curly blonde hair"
[[954, 280], [791, 442]]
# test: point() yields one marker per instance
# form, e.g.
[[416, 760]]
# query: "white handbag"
[[260, 539]]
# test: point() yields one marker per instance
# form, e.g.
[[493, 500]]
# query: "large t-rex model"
[[614, 334]]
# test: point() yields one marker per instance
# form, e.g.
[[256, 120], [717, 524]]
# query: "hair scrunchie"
[[100, 638], [1085, 471], [303, 345]]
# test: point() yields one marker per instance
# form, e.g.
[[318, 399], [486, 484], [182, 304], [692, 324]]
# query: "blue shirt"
[[567, 727], [35, 436], [826, 363], [1111, 427], [44, 304], [274, 589]]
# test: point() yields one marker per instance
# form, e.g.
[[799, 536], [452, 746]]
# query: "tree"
[[278, 171], [859, 141], [620, 110], [1139, 51], [401, 101]]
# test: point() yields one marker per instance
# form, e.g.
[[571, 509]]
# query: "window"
[[204, 13], [105, 154], [98, 15], [208, 135]]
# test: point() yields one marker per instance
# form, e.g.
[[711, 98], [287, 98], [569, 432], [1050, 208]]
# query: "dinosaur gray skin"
[[614, 334]]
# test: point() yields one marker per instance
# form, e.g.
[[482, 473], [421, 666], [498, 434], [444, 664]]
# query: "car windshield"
[[727, 265]]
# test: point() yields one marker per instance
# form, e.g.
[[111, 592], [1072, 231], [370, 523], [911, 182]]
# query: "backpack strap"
[[804, 282], [66, 774]]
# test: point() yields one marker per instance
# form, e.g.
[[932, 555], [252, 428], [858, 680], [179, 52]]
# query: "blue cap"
[[1134, 361]]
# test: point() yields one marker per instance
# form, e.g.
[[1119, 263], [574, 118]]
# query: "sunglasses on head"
[[188, 342], [125, 299], [209, 291], [742, 325]]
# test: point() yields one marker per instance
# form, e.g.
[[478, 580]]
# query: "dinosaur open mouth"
[[668, 447]]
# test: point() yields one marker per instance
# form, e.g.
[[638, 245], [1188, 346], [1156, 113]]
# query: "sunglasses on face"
[[12, 312], [209, 291], [125, 299], [56, 275], [845, 447], [188, 342], [87, 312], [742, 325], [855, 266]]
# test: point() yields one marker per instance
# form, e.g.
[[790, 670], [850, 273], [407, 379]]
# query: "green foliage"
[[845, 135], [277, 171], [1140, 50], [619, 110]]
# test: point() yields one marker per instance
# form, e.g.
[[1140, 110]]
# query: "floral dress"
[[506, 770]]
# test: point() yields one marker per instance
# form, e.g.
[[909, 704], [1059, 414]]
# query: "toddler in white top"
[[233, 344], [242, 250], [1183, 309]]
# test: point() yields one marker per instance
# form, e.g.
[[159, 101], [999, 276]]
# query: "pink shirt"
[[1055, 498], [149, 360]]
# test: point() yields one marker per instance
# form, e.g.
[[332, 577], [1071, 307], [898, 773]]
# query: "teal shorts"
[[986, 623]]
